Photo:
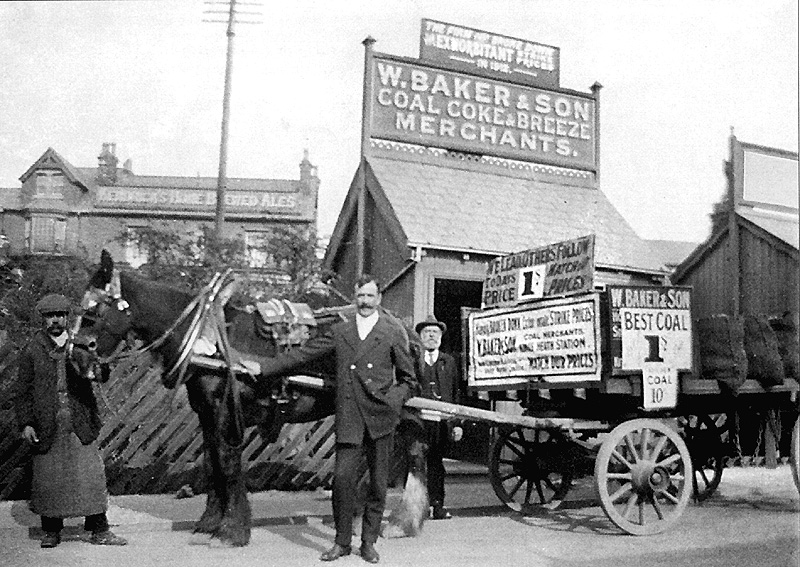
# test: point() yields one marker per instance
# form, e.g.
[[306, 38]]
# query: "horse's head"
[[106, 316]]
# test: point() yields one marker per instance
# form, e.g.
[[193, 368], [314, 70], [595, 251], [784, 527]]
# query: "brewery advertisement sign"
[[553, 340], [499, 56], [419, 104], [560, 269], [651, 332]]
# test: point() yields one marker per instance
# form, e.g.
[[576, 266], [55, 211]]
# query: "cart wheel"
[[526, 468], [795, 456], [641, 474], [705, 440]]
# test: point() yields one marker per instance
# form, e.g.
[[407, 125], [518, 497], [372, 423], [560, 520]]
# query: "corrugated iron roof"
[[494, 211], [783, 226]]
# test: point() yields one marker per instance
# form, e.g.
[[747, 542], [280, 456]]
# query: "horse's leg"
[[229, 431], [200, 391], [235, 526]]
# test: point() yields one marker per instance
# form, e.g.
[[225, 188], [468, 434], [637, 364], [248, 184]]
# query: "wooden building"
[[750, 264]]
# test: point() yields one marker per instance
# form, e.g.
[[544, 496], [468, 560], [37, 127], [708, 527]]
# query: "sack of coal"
[[786, 327], [763, 359], [720, 341]]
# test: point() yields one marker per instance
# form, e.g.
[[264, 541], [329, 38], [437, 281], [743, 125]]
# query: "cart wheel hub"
[[659, 479]]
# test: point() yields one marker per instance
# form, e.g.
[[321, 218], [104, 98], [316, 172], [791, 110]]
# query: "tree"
[[293, 269]]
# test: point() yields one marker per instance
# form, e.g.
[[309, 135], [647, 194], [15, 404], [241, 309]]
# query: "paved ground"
[[754, 520]]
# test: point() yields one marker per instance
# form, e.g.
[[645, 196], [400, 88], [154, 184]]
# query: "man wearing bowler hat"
[[439, 381], [58, 415]]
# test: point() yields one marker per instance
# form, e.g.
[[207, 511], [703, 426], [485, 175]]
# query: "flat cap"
[[53, 303]]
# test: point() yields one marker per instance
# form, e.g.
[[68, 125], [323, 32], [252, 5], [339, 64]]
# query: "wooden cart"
[[608, 383]]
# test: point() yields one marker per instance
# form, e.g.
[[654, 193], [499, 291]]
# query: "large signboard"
[[155, 197], [651, 333], [553, 341], [560, 269], [419, 104], [765, 177], [484, 53], [650, 324]]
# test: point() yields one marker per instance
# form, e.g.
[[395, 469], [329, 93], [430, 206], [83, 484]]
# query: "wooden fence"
[[151, 441]]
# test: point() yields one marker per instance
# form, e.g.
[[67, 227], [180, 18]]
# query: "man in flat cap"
[[439, 381], [57, 412]]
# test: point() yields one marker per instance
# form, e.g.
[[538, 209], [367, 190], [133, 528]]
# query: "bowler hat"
[[430, 322], [53, 303]]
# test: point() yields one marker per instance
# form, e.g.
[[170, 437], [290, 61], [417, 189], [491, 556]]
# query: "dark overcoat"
[[374, 377], [37, 398]]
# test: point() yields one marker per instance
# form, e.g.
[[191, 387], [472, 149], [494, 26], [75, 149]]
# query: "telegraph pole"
[[222, 176]]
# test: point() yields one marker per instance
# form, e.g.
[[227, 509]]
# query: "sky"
[[148, 75]]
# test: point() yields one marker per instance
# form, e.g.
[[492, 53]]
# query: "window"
[[256, 246], [46, 234], [49, 184], [135, 252]]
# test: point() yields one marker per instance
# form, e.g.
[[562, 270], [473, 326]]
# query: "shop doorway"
[[449, 296]]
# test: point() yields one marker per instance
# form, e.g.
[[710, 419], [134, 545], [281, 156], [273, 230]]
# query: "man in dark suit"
[[439, 381], [374, 377]]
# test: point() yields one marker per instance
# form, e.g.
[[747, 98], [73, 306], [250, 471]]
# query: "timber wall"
[[151, 441]]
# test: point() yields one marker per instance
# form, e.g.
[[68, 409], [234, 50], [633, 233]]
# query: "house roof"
[[176, 182], [52, 159], [498, 210], [781, 225]]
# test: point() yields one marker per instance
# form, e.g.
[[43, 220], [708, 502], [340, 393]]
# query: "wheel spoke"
[[619, 476], [623, 490], [644, 442], [615, 454], [631, 447], [657, 508], [539, 490], [516, 450], [669, 460], [668, 496], [630, 505], [659, 447], [506, 477], [511, 493], [528, 492]]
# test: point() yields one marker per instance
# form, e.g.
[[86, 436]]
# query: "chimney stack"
[[107, 164]]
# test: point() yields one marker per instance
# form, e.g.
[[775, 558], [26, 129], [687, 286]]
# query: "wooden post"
[[366, 125], [222, 177], [596, 92]]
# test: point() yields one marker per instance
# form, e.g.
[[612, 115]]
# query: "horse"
[[119, 304]]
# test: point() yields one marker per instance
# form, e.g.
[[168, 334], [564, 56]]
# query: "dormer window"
[[49, 184]]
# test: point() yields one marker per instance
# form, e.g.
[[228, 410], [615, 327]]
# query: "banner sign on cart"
[[560, 269], [650, 324], [476, 51], [555, 340]]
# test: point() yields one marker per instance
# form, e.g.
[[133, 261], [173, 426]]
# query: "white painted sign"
[[659, 386]]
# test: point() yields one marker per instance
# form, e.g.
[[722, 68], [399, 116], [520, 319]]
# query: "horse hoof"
[[199, 538], [217, 543]]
